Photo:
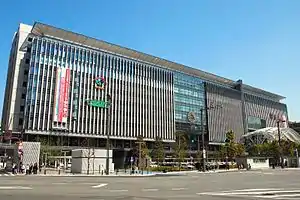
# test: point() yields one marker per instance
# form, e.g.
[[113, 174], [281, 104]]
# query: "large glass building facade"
[[189, 97], [60, 85]]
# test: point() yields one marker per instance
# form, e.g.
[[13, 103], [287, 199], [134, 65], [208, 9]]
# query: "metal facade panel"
[[229, 117], [128, 82], [263, 108], [31, 152]]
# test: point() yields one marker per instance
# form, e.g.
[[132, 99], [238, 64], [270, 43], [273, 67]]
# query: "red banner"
[[62, 97], [66, 95]]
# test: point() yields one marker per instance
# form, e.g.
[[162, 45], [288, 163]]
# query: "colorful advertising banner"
[[62, 88], [66, 96]]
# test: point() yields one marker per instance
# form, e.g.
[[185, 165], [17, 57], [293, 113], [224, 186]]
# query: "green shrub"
[[166, 168]]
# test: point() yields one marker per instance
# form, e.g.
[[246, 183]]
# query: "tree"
[[272, 149], [89, 154], [47, 149], [288, 147], [233, 148], [141, 151], [199, 156], [180, 146], [158, 153]]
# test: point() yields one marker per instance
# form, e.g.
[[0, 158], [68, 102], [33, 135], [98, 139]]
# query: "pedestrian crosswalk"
[[259, 193]]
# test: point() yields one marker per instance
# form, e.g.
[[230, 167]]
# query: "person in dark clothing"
[[30, 169], [35, 168]]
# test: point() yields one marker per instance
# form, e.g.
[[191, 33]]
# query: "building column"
[[240, 88]]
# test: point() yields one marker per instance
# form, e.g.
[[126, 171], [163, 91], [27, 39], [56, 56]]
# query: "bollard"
[[59, 172], [45, 172]]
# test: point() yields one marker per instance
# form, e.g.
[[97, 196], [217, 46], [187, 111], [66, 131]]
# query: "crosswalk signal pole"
[[108, 123]]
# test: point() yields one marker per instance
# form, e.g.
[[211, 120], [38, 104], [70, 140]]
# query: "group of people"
[[28, 169]]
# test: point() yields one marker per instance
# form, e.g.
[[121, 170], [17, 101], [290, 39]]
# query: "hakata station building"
[[60, 85]]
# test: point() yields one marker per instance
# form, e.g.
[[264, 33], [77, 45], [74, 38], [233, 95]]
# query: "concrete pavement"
[[267, 184]]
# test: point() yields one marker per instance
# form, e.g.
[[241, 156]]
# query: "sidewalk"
[[56, 173]]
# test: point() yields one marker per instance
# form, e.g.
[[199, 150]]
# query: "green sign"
[[98, 104]]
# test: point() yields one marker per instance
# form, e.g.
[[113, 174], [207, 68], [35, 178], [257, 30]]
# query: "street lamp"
[[211, 107], [279, 141], [108, 123], [278, 121]]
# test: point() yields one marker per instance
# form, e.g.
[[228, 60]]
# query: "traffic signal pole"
[[108, 124]]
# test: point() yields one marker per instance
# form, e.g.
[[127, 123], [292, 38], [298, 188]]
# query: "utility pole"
[[108, 123], [89, 157], [202, 131], [278, 121], [202, 137], [279, 143]]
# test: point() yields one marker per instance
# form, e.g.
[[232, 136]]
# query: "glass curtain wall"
[[189, 97]]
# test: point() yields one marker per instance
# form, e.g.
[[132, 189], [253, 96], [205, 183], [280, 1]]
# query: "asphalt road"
[[271, 184]]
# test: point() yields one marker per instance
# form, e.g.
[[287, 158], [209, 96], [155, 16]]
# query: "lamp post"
[[108, 123], [279, 141], [211, 107], [278, 121]]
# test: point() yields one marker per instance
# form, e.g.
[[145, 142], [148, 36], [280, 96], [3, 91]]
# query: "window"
[[23, 96], [27, 61], [22, 109], [20, 122], [30, 39], [24, 84], [256, 122], [28, 50], [263, 123]]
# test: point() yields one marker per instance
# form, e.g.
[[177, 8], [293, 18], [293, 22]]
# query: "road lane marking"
[[14, 188], [150, 190], [177, 189], [59, 183], [239, 192], [270, 193], [282, 196], [100, 185], [118, 190]]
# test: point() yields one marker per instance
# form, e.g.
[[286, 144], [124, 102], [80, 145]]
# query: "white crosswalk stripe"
[[259, 193]]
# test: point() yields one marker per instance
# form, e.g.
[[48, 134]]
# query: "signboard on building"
[[98, 104], [100, 83], [61, 101]]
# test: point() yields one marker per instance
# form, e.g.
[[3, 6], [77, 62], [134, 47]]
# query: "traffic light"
[[193, 138]]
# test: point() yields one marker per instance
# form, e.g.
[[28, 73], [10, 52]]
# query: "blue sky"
[[254, 40]]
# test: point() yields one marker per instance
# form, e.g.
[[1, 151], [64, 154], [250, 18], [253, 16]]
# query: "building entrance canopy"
[[271, 134]]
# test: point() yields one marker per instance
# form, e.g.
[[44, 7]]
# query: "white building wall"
[[92, 161], [258, 163], [15, 88]]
